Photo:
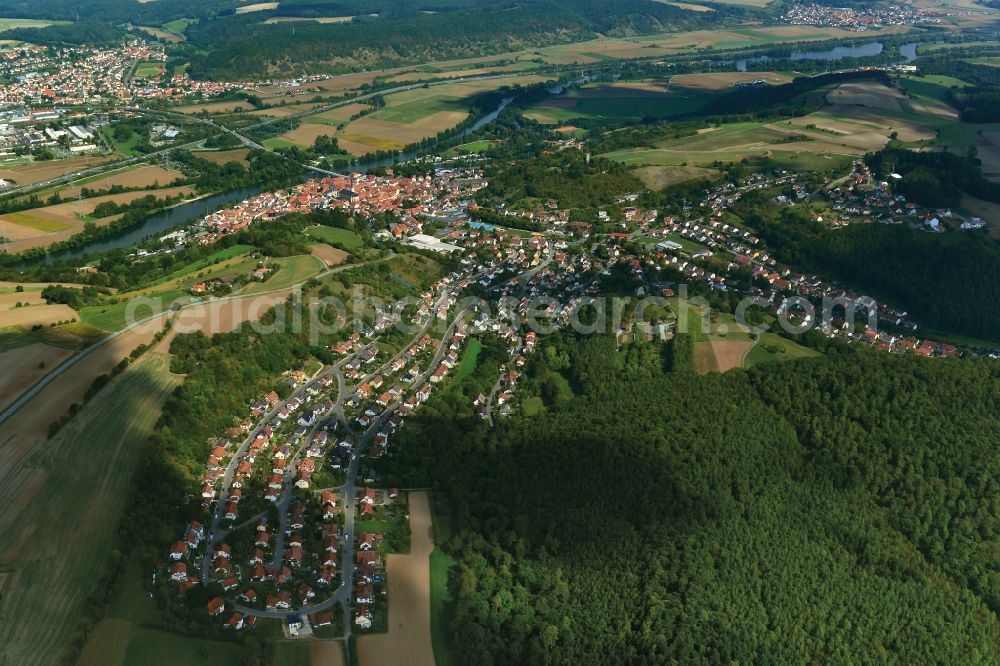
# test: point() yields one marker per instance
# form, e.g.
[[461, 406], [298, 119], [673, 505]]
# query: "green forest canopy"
[[838, 509]]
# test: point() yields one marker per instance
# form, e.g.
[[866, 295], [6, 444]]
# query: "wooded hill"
[[838, 509]]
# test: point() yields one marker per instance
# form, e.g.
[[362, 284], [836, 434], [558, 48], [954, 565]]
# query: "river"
[[192, 211], [195, 210], [908, 52]]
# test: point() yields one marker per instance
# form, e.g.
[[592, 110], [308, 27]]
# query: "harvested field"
[[9, 301], [308, 19], [688, 6], [64, 498], [307, 133], [719, 355], [223, 156], [214, 107], [408, 641], [257, 7], [288, 109], [40, 227], [39, 171], [722, 81], [170, 37], [34, 286], [339, 114], [37, 315], [24, 366], [327, 653], [144, 176], [330, 255], [870, 94]]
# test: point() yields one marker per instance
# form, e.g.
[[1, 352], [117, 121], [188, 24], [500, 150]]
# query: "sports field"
[[62, 507], [408, 640]]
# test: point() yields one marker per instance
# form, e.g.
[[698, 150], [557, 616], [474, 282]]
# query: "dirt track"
[[408, 641]]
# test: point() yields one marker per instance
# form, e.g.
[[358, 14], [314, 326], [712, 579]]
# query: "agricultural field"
[[723, 81], [309, 19], [719, 355], [14, 23], [223, 156], [214, 107], [256, 7], [856, 118], [328, 254], [23, 366], [35, 172], [408, 640], [339, 114], [327, 653], [40, 227], [306, 134], [53, 552], [146, 175], [738, 141], [626, 100], [417, 114], [165, 35]]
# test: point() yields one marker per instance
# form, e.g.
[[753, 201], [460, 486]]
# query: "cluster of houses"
[[444, 196]]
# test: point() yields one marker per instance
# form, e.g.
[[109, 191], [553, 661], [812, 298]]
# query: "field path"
[[408, 641]]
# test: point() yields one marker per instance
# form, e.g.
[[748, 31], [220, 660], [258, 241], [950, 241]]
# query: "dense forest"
[[948, 281], [241, 46], [934, 178], [838, 509], [568, 178]]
